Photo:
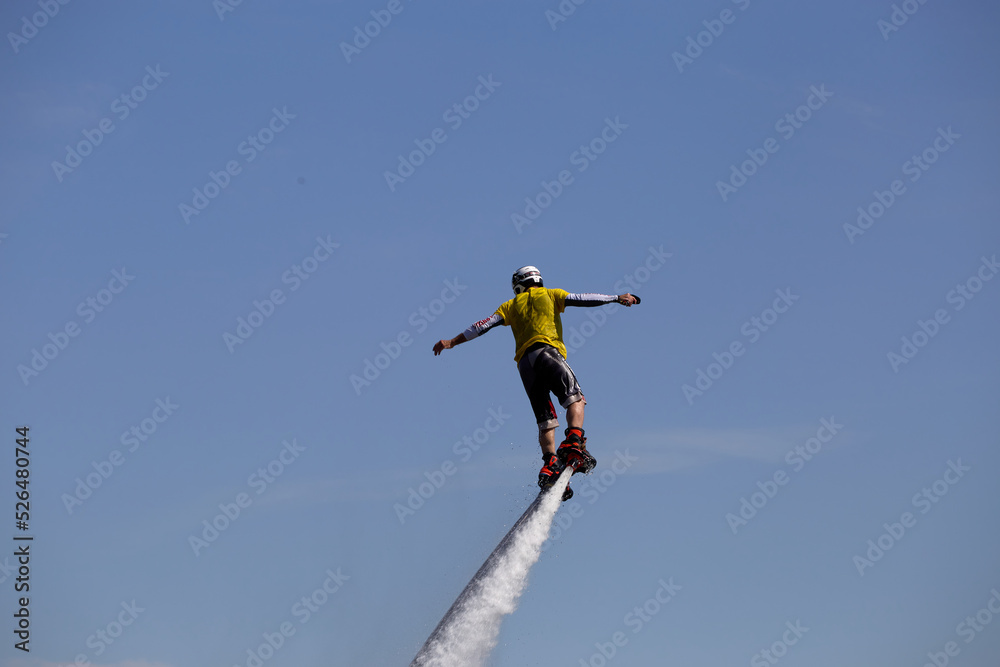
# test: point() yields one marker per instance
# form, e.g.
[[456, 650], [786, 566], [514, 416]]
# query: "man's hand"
[[627, 300], [443, 345]]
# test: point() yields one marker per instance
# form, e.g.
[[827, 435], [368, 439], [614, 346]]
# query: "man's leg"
[[547, 441], [574, 414], [541, 405]]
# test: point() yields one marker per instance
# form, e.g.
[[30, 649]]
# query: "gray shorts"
[[544, 370]]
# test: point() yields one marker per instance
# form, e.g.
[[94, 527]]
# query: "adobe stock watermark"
[[898, 17], [6, 569], [87, 310], [753, 329], [581, 158], [592, 487], [454, 116], [294, 276], [786, 126], [970, 628], [37, 21], [713, 30], [924, 500], [249, 149], [122, 108], [381, 18], [576, 337], [101, 640], [303, 610], [915, 167], [133, 438], [562, 12], [927, 329], [464, 449], [259, 482], [796, 458], [223, 7], [779, 648], [419, 321], [636, 620]]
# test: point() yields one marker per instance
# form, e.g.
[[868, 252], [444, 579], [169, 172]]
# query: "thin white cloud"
[[66, 108], [677, 449]]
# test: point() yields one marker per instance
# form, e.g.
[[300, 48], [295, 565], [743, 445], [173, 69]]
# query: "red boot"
[[573, 451], [550, 472]]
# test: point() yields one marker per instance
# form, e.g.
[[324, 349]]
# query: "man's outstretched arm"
[[476, 330], [590, 300]]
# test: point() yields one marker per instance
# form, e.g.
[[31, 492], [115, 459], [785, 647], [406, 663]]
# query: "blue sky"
[[342, 268]]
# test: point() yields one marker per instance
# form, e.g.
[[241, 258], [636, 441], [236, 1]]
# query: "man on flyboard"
[[533, 316]]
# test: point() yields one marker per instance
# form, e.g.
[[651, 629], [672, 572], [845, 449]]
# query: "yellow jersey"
[[534, 317]]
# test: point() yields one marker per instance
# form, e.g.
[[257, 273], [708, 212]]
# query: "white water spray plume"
[[468, 632]]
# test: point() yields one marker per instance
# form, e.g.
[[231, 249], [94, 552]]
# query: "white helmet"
[[525, 277]]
